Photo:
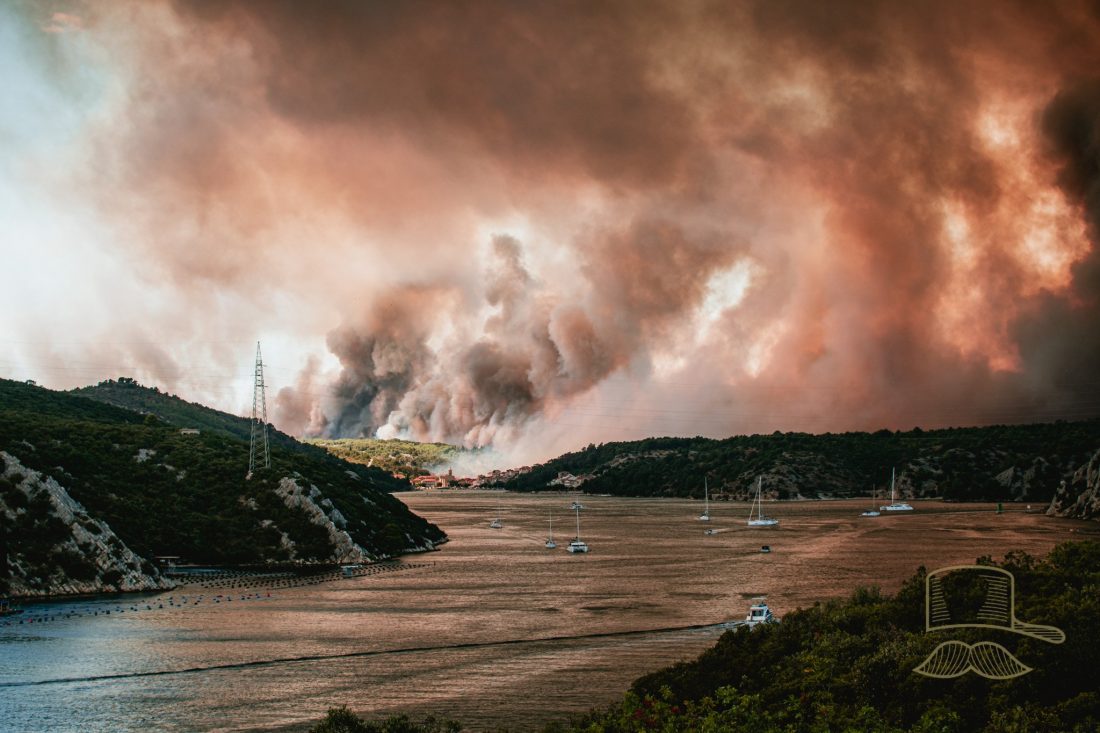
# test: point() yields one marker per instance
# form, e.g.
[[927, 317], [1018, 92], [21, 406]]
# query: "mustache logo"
[[955, 658], [976, 597]]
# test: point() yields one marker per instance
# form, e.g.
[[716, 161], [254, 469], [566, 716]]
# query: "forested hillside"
[[176, 411], [70, 463], [848, 666], [1023, 462], [405, 457]]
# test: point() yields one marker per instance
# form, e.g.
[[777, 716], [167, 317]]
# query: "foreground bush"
[[847, 666], [342, 720]]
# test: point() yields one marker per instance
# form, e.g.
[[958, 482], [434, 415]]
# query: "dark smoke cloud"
[[536, 214], [534, 348], [1060, 335]]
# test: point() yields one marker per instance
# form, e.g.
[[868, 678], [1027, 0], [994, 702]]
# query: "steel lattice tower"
[[259, 419]]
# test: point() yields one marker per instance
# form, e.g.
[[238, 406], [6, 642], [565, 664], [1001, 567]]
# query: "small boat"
[[872, 512], [496, 523], [759, 613], [577, 545], [576, 506], [6, 609], [550, 544], [758, 509], [705, 516], [765, 548], [895, 505], [710, 531]]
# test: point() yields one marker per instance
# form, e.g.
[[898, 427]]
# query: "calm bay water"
[[650, 569]]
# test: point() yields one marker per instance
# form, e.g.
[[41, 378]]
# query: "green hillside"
[[406, 457], [181, 413], [848, 666], [1025, 462], [167, 493]]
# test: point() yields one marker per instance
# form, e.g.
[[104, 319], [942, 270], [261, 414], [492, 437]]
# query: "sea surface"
[[493, 630]]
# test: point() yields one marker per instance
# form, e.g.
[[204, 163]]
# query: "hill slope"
[[1022, 462], [848, 666], [77, 474], [395, 456], [181, 413]]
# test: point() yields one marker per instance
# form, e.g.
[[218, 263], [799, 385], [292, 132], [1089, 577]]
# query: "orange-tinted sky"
[[537, 225]]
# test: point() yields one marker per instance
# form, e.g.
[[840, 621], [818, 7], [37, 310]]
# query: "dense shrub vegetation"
[[847, 666], [957, 464], [395, 456], [342, 720], [165, 493], [176, 411]]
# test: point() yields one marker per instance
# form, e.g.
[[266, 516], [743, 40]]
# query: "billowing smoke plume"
[[540, 224], [534, 347]]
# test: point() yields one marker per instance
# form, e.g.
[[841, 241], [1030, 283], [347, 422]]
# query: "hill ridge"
[[164, 491]]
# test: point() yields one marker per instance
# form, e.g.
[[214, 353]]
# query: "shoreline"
[[245, 571]]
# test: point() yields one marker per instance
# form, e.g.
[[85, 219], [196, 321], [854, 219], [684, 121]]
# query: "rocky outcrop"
[[1023, 483], [56, 548], [322, 513], [1079, 498]]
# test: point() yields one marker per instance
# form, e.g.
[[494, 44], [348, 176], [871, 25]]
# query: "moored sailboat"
[[872, 512], [577, 545], [550, 544], [895, 505], [705, 516], [496, 523], [758, 509]]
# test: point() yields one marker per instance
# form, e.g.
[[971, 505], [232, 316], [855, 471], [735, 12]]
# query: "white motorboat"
[[758, 510], [895, 505], [759, 613]]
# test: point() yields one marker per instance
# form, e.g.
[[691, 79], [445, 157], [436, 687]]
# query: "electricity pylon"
[[259, 419]]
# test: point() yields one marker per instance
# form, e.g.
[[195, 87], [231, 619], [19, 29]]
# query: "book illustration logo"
[[976, 597]]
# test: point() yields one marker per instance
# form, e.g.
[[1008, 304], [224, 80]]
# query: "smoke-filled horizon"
[[530, 226]]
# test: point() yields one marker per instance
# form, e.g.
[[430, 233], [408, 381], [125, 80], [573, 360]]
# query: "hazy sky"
[[538, 225]]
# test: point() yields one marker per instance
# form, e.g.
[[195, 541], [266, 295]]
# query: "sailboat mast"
[[578, 524], [756, 499], [706, 497], [893, 494]]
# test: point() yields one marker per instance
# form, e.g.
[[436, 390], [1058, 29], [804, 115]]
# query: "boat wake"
[[354, 654]]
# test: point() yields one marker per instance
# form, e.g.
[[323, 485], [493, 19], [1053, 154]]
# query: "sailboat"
[[872, 512], [758, 509], [705, 516], [895, 505], [577, 545], [550, 544], [496, 523]]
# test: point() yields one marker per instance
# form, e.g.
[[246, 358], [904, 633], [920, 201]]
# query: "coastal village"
[[432, 482]]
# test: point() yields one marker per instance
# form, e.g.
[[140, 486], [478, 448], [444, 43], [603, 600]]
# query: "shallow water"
[[651, 569]]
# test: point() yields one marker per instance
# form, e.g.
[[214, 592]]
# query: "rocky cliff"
[[1079, 497], [53, 546], [91, 493]]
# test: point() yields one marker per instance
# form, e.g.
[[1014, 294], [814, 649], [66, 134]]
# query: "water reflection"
[[650, 567]]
